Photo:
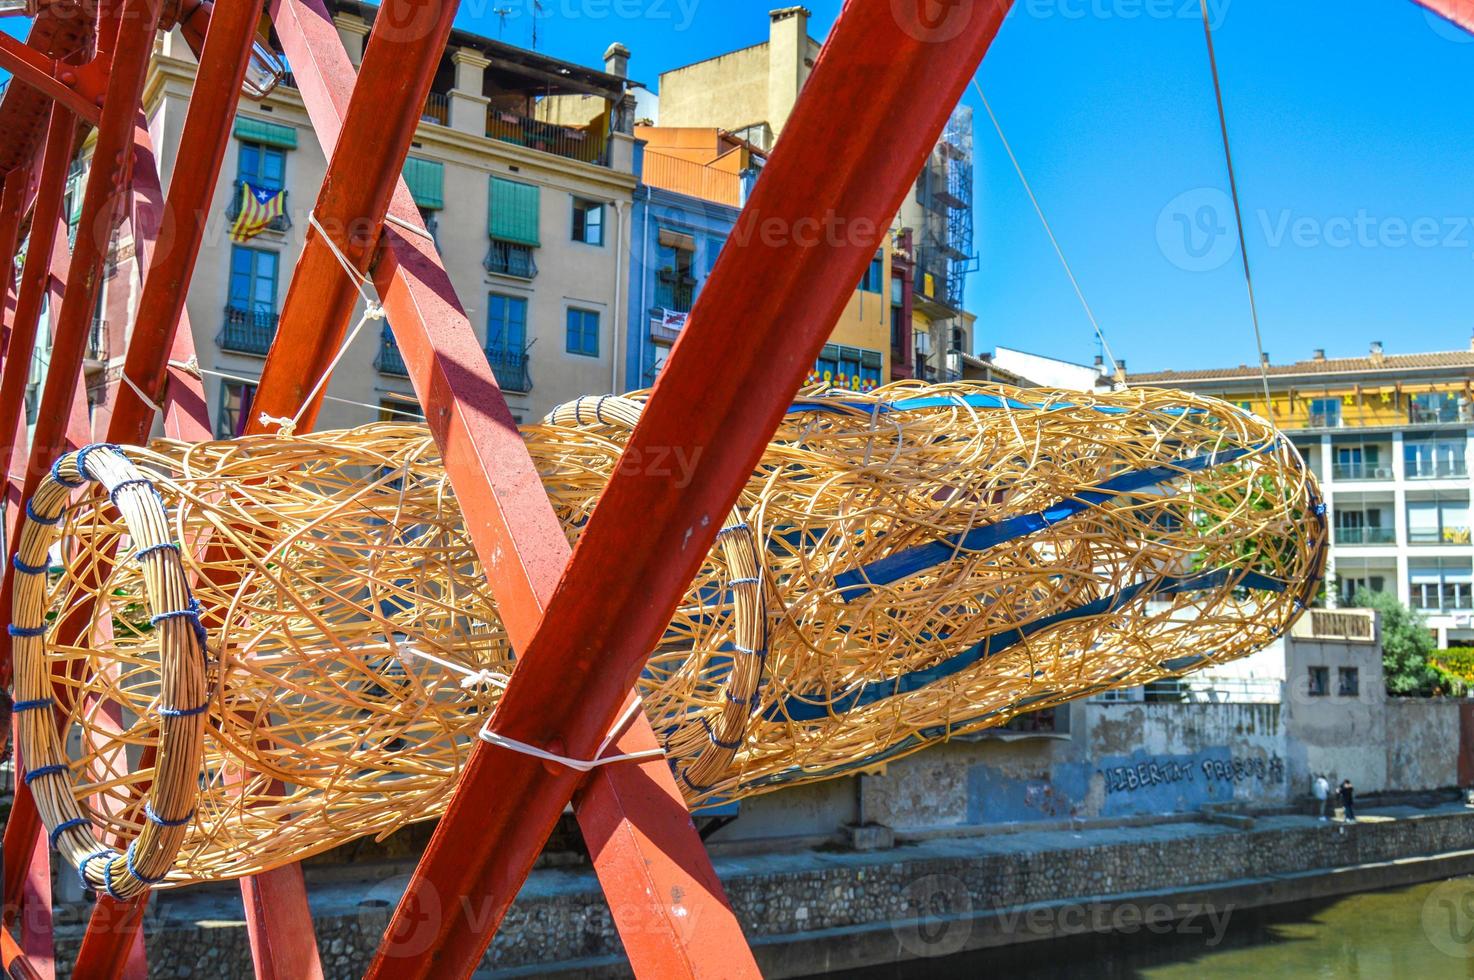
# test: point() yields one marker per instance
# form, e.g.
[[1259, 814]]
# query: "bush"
[[1407, 649]]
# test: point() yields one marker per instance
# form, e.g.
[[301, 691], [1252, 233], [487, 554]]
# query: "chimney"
[[1264, 358], [1320, 354], [617, 60], [788, 55], [1377, 357], [1121, 371]]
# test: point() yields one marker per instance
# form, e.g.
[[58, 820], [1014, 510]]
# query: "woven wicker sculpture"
[[903, 566]]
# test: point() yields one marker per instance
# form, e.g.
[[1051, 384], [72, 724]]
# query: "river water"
[[1424, 932]]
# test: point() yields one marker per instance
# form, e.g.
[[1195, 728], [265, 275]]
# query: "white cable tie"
[[190, 367], [286, 427], [141, 396]]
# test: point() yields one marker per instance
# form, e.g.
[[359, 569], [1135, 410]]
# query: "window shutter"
[[426, 180], [677, 240], [269, 133], [514, 212]]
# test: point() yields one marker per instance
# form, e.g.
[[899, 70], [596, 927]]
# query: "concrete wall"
[[1335, 735], [1422, 744]]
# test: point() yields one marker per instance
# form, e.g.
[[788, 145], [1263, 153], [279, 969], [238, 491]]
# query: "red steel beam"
[[832, 186], [12, 206], [645, 847], [48, 76], [14, 960], [1461, 12]]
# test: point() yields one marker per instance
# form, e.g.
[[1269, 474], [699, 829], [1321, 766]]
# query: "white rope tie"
[[577, 765], [410, 227], [373, 311], [141, 396]]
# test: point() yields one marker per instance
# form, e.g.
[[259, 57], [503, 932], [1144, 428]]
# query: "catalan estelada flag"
[[260, 206]]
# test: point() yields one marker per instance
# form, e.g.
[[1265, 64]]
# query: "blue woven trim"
[[36, 518], [55, 769], [35, 705], [734, 528], [744, 650], [184, 712], [140, 482], [25, 632], [154, 818], [56, 475], [749, 702], [193, 615], [107, 878], [687, 780], [82, 866], [744, 581], [24, 569], [712, 737], [65, 826], [154, 549], [83, 452], [133, 870]]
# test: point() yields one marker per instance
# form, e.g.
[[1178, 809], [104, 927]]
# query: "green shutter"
[[77, 187], [426, 180], [514, 212], [261, 131]]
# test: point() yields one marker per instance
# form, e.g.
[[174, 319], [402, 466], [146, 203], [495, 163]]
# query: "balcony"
[[437, 109], [1361, 471], [1427, 469], [389, 360], [1445, 411], [95, 357], [563, 141], [508, 259], [510, 368], [233, 209], [1448, 535], [1366, 535], [247, 331]]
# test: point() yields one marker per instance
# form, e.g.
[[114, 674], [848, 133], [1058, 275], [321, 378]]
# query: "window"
[[675, 282], [874, 279], [900, 323], [431, 218], [1348, 586], [583, 332], [1320, 682], [847, 367], [1350, 685], [263, 167], [506, 323], [1434, 406], [588, 221], [1325, 413], [403, 408], [714, 246], [235, 408], [253, 279], [1434, 585], [1438, 521], [1429, 459]]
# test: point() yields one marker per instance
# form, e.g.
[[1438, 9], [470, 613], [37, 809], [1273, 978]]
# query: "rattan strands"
[[903, 566]]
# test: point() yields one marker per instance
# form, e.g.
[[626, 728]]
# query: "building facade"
[[1389, 438], [908, 312], [531, 216]]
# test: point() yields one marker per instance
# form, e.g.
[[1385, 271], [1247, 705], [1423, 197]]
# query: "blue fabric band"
[[35, 705], [24, 569], [83, 453], [56, 475], [36, 518], [154, 818], [51, 770], [25, 632], [63, 827]]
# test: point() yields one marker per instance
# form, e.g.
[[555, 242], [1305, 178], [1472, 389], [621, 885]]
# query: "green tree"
[[1406, 646]]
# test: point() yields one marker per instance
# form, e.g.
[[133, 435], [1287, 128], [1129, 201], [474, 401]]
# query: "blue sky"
[[1353, 136]]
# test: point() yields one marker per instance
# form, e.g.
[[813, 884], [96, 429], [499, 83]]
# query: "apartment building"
[[908, 314], [523, 169], [1389, 437]]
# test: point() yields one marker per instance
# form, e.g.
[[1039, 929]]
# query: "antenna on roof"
[[537, 11], [501, 14]]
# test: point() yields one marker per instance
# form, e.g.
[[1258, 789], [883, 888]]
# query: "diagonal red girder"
[[1461, 12], [842, 170]]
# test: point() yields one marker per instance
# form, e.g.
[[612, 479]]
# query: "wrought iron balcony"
[[247, 331], [437, 109], [390, 360], [96, 354], [510, 368], [233, 208], [508, 259]]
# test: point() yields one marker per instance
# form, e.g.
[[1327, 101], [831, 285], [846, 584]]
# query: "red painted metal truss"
[[843, 163]]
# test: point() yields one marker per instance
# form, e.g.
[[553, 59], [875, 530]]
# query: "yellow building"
[[1389, 437]]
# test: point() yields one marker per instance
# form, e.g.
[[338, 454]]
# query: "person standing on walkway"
[[1348, 800], [1322, 790]]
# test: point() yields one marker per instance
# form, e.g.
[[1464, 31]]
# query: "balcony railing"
[[1361, 471], [1441, 470], [507, 259], [1449, 411], [389, 359], [1366, 535], [563, 141], [1454, 597], [1448, 535], [510, 368], [247, 331], [233, 208], [97, 342], [437, 109]]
